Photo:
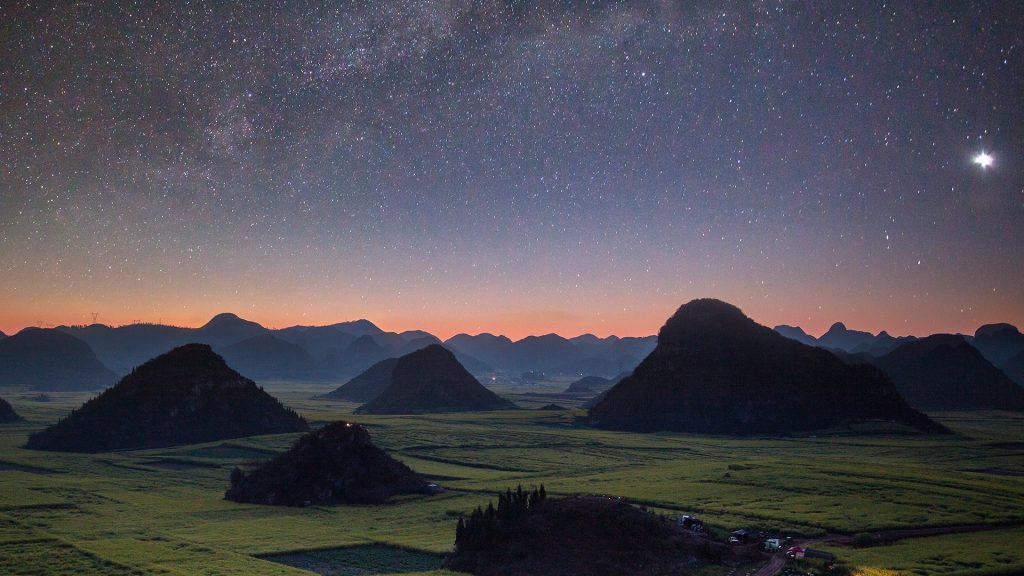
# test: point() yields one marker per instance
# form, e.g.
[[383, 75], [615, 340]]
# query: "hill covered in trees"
[[336, 464], [432, 380], [717, 371], [530, 534], [185, 396]]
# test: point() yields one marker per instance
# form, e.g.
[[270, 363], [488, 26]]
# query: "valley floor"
[[162, 512]]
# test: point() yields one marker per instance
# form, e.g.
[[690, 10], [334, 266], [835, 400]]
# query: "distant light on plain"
[[984, 159]]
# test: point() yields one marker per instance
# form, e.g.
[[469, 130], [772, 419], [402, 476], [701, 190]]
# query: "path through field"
[[774, 565]]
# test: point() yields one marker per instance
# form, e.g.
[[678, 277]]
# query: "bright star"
[[984, 159]]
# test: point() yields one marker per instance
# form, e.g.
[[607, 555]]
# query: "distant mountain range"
[[998, 353], [841, 338], [345, 349], [553, 354], [92, 357]]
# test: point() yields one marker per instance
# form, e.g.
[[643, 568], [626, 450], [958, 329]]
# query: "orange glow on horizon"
[[517, 324]]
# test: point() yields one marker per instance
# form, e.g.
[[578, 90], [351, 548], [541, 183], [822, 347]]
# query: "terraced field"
[[162, 512]]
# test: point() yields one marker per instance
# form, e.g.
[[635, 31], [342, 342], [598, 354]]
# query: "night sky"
[[517, 167]]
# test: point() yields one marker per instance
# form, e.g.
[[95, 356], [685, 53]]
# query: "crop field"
[[161, 511]]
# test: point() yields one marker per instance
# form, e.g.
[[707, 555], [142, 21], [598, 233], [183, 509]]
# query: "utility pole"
[[95, 315]]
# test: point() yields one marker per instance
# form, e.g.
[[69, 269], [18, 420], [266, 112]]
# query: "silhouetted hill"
[[357, 327], [841, 341], [529, 535], [593, 347], [266, 357], [717, 371], [49, 359], [553, 354], [432, 380], [486, 347], [390, 341], [360, 355], [366, 386], [1014, 368], [796, 333], [998, 342], [542, 352], [227, 328], [318, 341], [125, 347], [839, 336], [589, 385], [415, 344], [7, 413], [944, 372], [185, 396], [411, 335], [336, 464], [882, 344], [2, 335]]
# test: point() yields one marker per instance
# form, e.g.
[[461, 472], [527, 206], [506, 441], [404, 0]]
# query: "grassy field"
[[162, 512]]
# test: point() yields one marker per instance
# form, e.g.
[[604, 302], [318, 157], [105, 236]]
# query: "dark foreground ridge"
[[185, 396], [336, 464], [717, 371], [529, 534], [7, 413], [432, 380]]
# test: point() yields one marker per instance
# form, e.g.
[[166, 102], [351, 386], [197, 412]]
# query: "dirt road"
[[774, 565]]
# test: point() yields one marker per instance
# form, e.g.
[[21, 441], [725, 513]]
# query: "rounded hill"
[[715, 370], [49, 359], [432, 380], [336, 464], [185, 396]]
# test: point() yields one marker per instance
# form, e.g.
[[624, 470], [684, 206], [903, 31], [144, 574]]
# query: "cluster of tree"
[[337, 464], [487, 526]]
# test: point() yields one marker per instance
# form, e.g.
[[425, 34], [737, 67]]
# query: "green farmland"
[[161, 511]]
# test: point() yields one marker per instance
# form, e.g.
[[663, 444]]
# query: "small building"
[[741, 535], [772, 545], [434, 489], [796, 552]]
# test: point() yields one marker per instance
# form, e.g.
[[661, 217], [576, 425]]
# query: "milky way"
[[511, 166]]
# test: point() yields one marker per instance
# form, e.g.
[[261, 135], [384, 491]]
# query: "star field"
[[512, 166]]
